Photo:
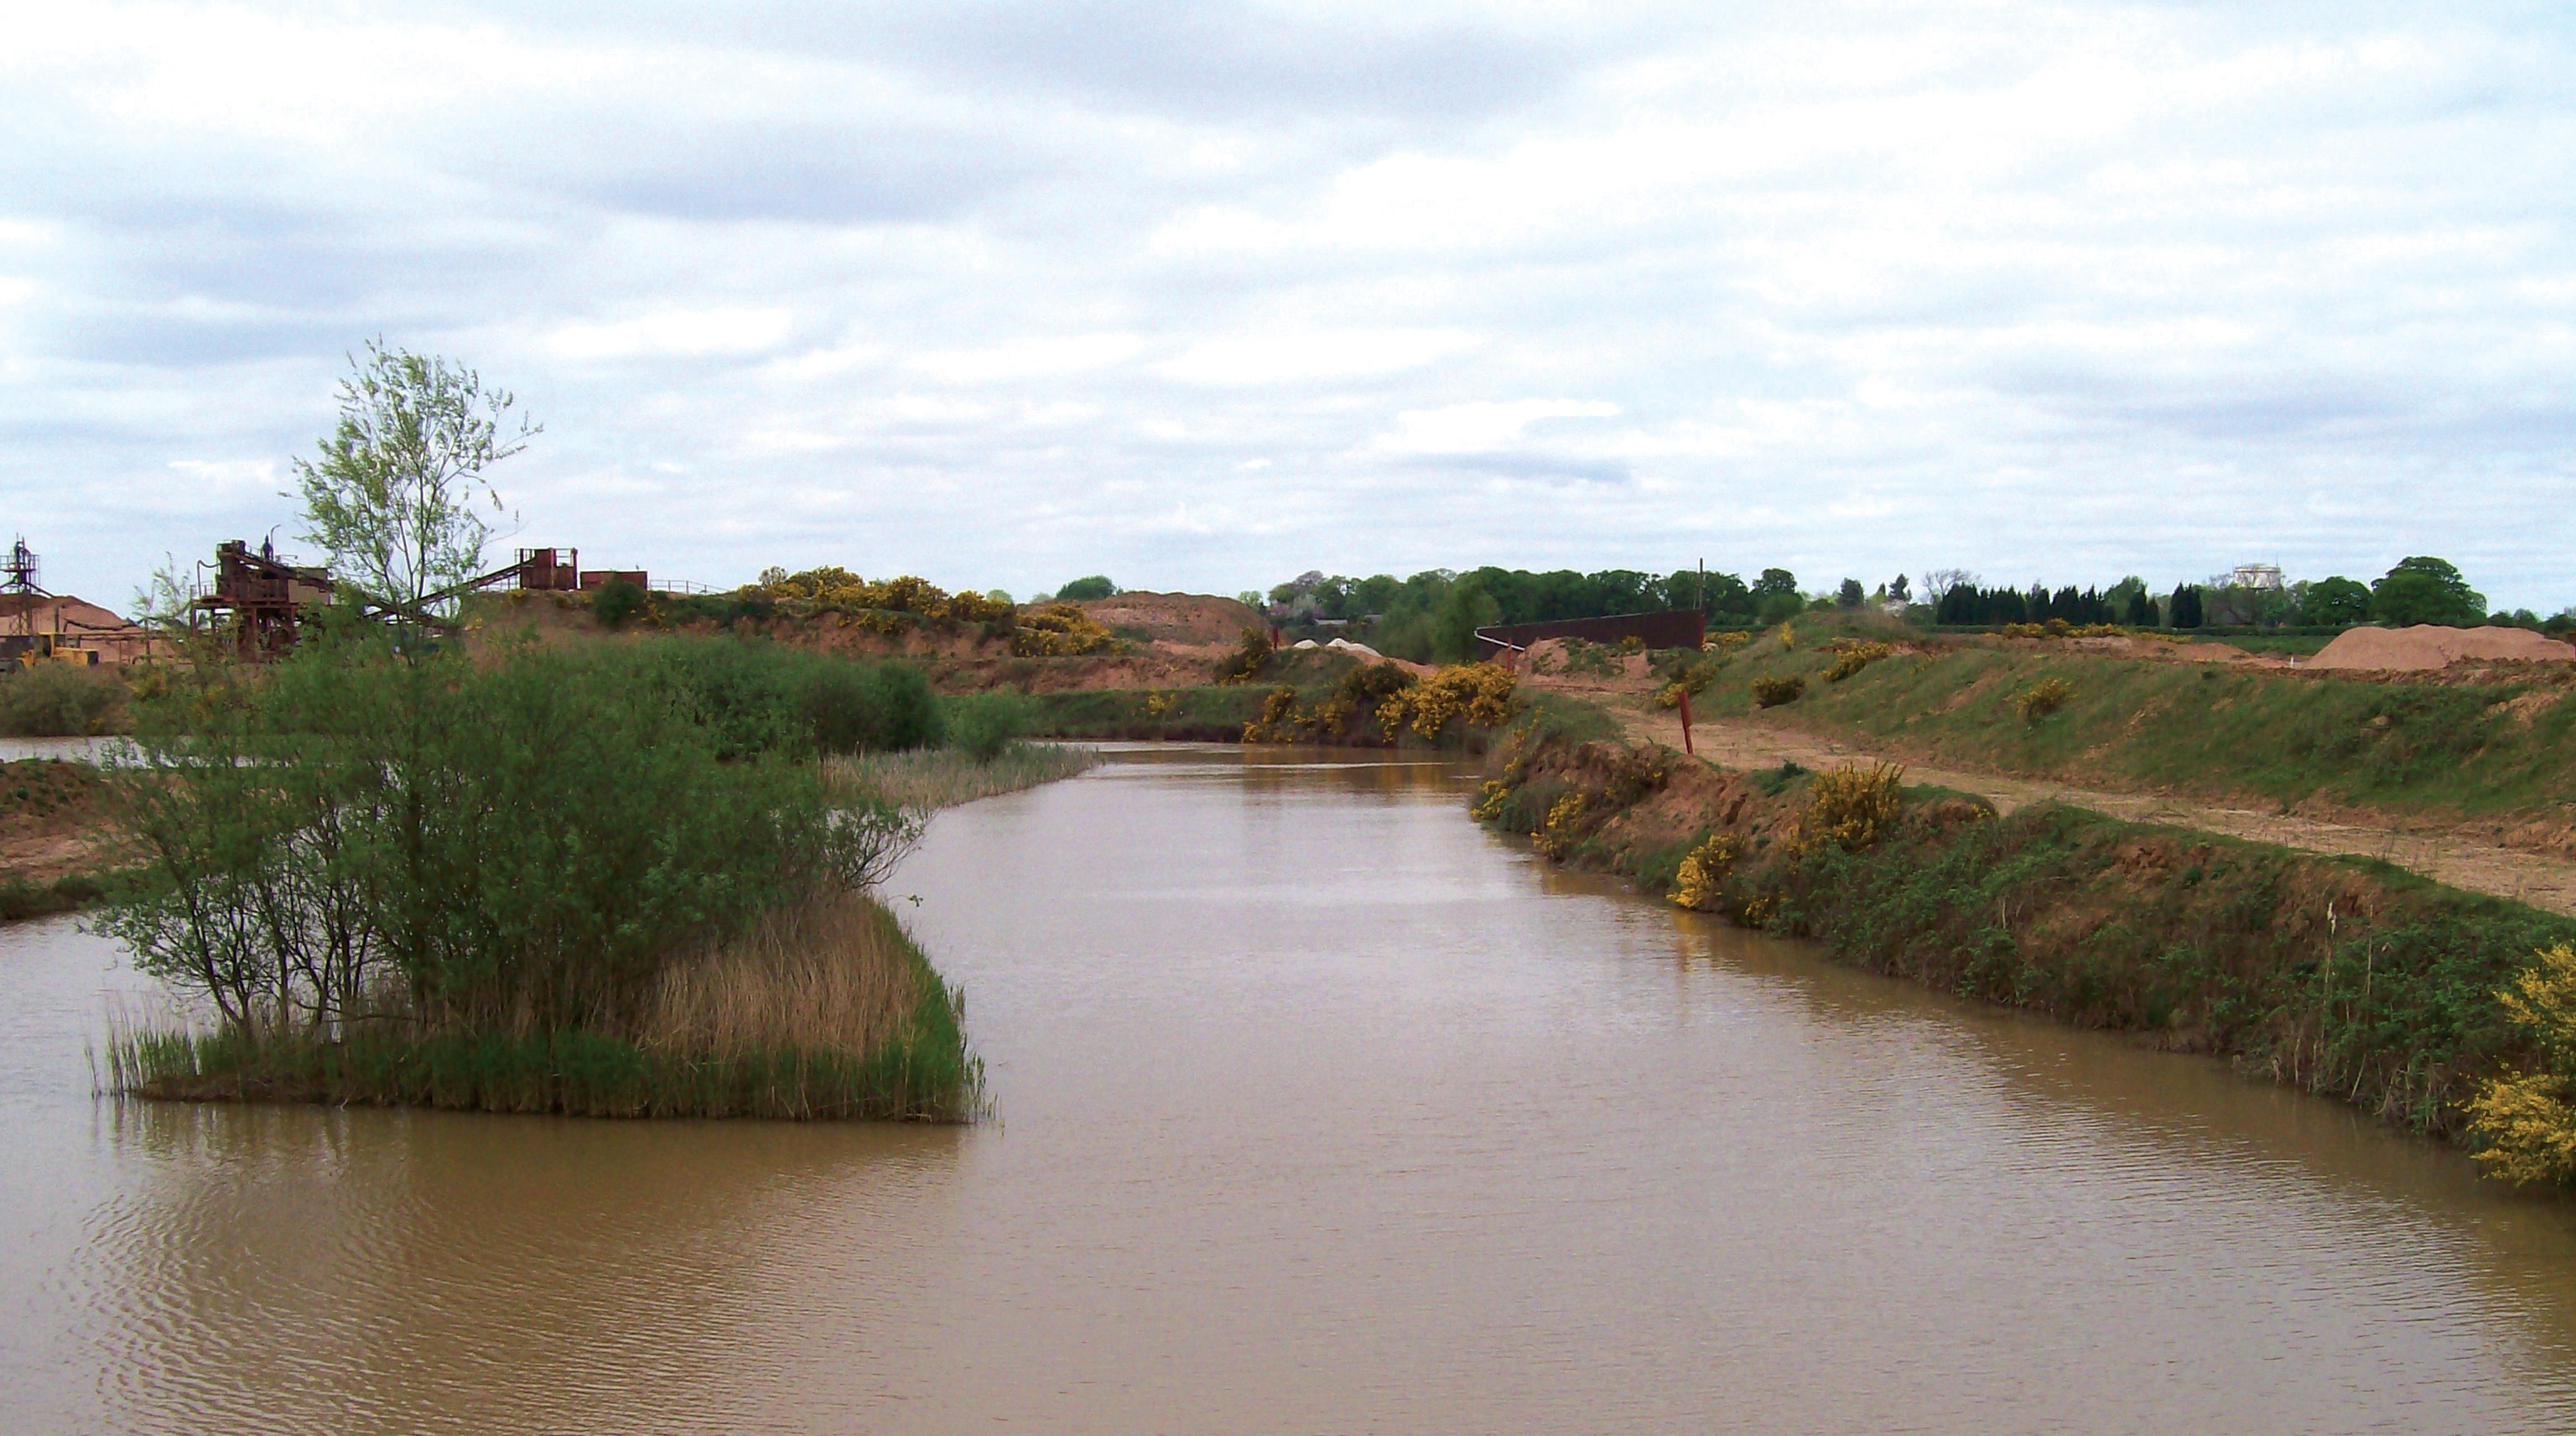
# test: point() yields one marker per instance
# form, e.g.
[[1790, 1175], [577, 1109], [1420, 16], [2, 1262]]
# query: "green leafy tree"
[[2184, 609], [1083, 590], [1453, 625], [1850, 594], [392, 494], [2426, 590], [2336, 600]]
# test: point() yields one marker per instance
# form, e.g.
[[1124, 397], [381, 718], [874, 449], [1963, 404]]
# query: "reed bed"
[[824, 1010], [926, 778]]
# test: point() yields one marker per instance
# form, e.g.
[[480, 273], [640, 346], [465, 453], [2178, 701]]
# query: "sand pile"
[[2430, 646], [1184, 618]]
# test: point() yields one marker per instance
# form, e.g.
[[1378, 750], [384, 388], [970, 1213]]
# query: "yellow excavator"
[[44, 648]]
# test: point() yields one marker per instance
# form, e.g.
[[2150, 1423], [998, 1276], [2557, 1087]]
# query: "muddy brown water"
[[1319, 1110]]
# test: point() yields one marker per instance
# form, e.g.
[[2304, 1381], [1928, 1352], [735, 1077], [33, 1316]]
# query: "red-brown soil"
[[2429, 646]]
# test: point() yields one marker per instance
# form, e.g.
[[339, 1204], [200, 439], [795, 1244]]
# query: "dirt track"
[[2541, 881]]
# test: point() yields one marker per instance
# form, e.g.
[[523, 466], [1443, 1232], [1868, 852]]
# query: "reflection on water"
[[1320, 1110], [81, 750]]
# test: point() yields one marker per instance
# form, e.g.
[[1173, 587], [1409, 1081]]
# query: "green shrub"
[[2042, 698], [522, 843], [983, 724], [57, 700], [1771, 692], [871, 708], [761, 697], [1248, 659], [616, 601]]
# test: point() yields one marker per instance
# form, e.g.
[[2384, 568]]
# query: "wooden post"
[[1686, 741]]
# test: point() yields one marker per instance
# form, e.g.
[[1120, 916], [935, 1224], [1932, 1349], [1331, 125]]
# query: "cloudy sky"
[[1204, 296]]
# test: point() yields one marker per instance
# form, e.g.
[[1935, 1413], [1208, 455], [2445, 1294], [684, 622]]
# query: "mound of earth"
[[2399, 650], [1194, 619]]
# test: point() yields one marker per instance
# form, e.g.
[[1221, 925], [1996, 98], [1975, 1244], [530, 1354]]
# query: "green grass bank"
[[2496, 744], [2345, 977]]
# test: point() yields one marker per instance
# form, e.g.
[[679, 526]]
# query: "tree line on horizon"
[[1433, 616]]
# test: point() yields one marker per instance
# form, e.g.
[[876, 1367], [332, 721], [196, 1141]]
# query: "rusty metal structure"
[[260, 600], [19, 575], [549, 570]]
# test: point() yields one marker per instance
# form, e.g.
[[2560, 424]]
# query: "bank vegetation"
[[2438, 1010]]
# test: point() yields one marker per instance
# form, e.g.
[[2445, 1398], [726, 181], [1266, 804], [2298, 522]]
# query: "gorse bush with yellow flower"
[[2042, 698], [1476, 694], [1773, 690], [833, 589], [1851, 655], [1853, 807], [1061, 630], [2060, 628], [2522, 1121], [1701, 879]]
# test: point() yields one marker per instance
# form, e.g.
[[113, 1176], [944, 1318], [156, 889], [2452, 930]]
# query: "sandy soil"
[[2426, 646], [1192, 620], [50, 825], [2446, 856]]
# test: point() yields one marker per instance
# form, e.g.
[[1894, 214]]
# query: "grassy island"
[[618, 880]]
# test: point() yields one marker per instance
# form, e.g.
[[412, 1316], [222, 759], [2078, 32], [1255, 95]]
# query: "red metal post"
[[1686, 741]]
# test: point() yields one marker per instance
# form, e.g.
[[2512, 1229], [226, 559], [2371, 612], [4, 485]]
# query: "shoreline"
[[2341, 976]]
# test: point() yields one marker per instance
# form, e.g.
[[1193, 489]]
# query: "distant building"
[[2255, 575]]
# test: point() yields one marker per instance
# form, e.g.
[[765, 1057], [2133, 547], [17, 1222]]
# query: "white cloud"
[[685, 333], [1197, 294], [1312, 356], [1025, 358], [1479, 427]]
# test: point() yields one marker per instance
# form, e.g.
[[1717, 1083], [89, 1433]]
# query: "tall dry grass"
[[831, 974], [926, 778]]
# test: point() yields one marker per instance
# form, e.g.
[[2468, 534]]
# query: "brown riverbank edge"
[[2343, 976], [54, 843]]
